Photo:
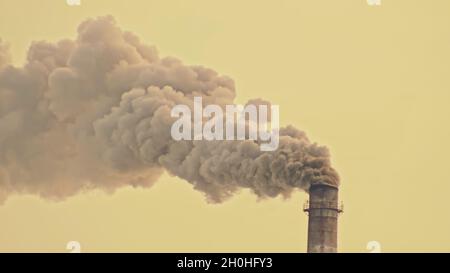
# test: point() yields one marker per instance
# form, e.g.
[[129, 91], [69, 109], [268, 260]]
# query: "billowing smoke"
[[95, 113]]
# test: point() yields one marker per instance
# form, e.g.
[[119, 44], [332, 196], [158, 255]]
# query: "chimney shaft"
[[323, 211]]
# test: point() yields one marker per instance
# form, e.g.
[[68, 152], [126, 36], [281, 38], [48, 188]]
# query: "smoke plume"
[[94, 112]]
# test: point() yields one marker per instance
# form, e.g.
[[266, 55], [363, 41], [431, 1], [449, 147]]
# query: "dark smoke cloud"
[[95, 113], [5, 58]]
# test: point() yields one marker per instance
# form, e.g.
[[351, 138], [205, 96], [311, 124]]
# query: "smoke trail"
[[95, 113]]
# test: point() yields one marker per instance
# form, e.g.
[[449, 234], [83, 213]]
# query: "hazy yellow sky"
[[371, 83]]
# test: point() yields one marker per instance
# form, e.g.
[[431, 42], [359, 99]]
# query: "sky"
[[369, 82]]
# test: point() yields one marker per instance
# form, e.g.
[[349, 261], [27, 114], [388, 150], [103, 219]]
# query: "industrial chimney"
[[323, 211]]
